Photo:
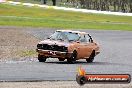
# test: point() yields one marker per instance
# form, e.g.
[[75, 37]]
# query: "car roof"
[[79, 32]]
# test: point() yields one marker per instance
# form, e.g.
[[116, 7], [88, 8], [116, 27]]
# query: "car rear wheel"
[[61, 59], [41, 58], [91, 58], [73, 57]]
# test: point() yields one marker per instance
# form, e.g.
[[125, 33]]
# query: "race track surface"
[[115, 58]]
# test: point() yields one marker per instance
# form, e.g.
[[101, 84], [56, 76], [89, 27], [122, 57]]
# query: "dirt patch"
[[15, 43]]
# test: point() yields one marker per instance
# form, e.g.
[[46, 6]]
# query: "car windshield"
[[64, 36]]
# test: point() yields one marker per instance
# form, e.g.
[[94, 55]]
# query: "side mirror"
[[48, 38], [77, 41]]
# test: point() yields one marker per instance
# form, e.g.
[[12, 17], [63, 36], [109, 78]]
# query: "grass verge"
[[39, 17]]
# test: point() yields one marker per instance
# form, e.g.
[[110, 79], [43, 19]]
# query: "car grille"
[[52, 47]]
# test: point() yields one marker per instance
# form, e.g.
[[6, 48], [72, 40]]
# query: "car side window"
[[82, 38], [87, 38]]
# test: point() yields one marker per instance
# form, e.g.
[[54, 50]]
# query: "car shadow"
[[85, 63], [65, 62]]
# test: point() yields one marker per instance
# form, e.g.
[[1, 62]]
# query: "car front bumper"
[[54, 54]]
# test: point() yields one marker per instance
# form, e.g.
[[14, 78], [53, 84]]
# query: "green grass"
[[39, 17]]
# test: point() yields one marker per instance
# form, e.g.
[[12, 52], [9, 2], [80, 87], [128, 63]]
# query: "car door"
[[89, 45], [82, 48], [86, 46]]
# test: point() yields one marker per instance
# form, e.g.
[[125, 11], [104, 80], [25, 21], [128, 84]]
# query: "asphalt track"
[[115, 58]]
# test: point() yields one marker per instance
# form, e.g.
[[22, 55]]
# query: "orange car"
[[68, 44]]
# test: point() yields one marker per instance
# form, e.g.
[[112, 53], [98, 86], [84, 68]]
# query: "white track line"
[[70, 9]]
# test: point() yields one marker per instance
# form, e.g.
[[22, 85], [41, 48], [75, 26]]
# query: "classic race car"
[[68, 44]]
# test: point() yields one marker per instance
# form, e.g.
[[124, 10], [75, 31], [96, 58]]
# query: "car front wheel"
[[73, 57], [41, 58]]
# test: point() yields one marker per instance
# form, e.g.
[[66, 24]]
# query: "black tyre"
[[61, 59], [91, 58], [73, 57], [41, 58]]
